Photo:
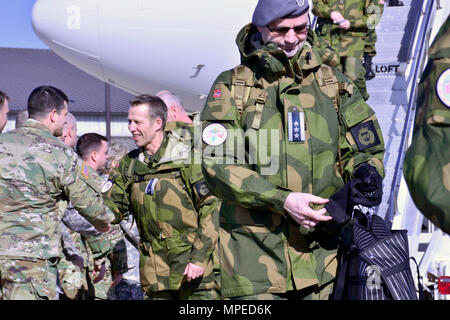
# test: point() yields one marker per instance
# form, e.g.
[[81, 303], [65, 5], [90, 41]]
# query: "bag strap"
[[329, 84], [241, 83]]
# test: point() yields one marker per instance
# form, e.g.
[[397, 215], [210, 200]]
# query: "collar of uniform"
[[309, 58], [271, 58], [145, 157], [170, 126], [36, 125], [32, 123]]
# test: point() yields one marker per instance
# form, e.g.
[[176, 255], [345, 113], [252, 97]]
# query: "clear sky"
[[15, 25]]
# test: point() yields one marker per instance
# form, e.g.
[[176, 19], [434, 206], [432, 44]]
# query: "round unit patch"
[[108, 184], [443, 87], [214, 134]]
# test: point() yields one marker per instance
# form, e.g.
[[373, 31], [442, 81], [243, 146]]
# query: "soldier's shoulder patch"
[[201, 189], [365, 135], [107, 186], [214, 134], [443, 87], [85, 170]]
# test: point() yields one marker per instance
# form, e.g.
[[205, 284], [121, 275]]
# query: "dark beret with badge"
[[267, 11]]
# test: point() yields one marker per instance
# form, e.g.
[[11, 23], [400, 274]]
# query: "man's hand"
[[193, 271], [297, 205], [99, 272], [336, 16], [105, 229], [345, 25], [117, 279]]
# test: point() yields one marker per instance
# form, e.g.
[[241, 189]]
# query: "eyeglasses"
[[282, 31]]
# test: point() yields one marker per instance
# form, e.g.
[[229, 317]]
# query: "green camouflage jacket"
[[360, 13], [427, 161], [37, 171], [296, 146], [176, 215]]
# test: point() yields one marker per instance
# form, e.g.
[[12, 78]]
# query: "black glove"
[[365, 189]]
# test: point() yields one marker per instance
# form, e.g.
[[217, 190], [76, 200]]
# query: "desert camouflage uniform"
[[175, 215], [262, 250], [427, 161], [348, 43], [37, 171]]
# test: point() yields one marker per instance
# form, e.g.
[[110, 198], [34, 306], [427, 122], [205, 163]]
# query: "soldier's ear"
[[53, 115], [173, 110], [158, 124]]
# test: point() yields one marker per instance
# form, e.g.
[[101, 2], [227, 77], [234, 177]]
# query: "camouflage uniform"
[[37, 171], [99, 248], [371, 35], [427, 161], [348, 43], [72, 266], [129, 288], [175, 215], [262, 249]]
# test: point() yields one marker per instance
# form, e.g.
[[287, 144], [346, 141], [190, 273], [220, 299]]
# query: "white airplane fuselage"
[[144, 46]]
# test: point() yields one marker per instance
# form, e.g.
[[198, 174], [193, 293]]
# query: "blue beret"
[[267, 11]]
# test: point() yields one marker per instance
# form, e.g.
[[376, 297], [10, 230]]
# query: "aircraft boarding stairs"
[[402, 48]]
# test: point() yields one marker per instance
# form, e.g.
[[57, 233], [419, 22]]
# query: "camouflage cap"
[[267, 11]]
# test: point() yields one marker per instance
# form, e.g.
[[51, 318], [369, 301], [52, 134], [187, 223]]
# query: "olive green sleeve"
[[226, 174], [116, 198], [320, 9], [361, 139], [427, 160], [99, 245], [208, 231]]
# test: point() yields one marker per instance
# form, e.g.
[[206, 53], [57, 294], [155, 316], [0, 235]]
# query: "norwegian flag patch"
[[217, 93]]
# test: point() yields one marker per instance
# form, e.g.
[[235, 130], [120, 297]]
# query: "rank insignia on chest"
[[365, 135], [150, 188], [296, 127], [85, 170]]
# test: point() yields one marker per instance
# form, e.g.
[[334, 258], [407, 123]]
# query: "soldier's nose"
[[291, 36]]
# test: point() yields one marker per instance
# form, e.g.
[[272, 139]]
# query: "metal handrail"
[[417, 67]]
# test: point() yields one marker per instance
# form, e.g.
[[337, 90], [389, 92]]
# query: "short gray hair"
[[170, 99], [116, 151]]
